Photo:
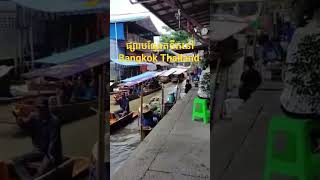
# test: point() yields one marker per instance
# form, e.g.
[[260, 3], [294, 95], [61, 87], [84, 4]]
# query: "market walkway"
[[238, 145], [176, 149]]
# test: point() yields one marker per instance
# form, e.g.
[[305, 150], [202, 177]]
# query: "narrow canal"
[[125, 141]]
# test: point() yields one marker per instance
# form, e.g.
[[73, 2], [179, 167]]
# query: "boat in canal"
[[72, 168], [178, 75], [166, 76], [74, 109], [117, 123], [132, 86]]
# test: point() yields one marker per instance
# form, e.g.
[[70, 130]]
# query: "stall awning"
[[65, 6], [149, 74], [71, 68], [162, 63], [180, 71], [169, 72], [76, 53], [160, 73], [225, 29], [5, 70]]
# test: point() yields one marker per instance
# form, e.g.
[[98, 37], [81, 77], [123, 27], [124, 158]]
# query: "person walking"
[[188, 86], [250, 80]]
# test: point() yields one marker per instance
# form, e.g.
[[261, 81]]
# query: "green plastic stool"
[[200, 110], [296, 160]]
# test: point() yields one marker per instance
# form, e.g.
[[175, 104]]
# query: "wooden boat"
[[66, 112], [8, 100], [71, 169], [177, 78], [133, 96], [118, 123], [165, 79]]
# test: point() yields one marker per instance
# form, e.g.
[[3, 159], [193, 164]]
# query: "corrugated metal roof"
[[61, 6], [75, 53], [127, 18], [68, 69]]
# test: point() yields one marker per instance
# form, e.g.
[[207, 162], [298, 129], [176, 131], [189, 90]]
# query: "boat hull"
[[122, 122], [70, 169], [66, 113], [134, 96]]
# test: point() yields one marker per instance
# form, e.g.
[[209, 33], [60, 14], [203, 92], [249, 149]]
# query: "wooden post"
[[162, 100], [102, 124], [31, 45], [177, 91], [70, 36], [87, 35], [141, 114]]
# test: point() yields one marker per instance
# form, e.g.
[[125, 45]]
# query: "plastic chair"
[[200, 110], [297, 159]]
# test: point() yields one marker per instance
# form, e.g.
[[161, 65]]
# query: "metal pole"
[[102, 124]]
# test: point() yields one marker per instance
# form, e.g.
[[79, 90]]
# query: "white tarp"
[[5, 70], [160, 73], [169, 72], [180, 71]]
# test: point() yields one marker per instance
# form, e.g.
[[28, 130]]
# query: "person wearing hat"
[[250, 79], [149, 118], [124, 106], [44, 130]]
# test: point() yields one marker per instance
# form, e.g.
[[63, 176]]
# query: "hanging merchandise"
[[178, 17], [189, 27]]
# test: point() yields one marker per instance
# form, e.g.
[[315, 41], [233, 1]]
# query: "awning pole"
[[102, 124]]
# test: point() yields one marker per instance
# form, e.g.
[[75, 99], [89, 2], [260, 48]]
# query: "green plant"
[[178, 36], [205, 83]]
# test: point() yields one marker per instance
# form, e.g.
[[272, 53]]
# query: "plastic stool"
[[297, 160], [200, 110]]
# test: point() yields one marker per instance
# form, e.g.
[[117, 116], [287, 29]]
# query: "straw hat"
[[145, 108]]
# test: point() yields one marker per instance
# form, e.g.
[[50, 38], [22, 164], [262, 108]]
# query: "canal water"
[[125, 141]]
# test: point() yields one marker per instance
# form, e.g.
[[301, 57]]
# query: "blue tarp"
[[131, 63], [117, 31], [149, 74]]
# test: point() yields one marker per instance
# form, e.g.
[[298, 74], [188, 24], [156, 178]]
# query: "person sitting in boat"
[[45, 134], [124, 106], [67, 89], [79, 89], [149, 118]]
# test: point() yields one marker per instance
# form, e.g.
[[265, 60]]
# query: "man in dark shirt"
[[187, 87], [250, 80], [44, 129], [124, 106]]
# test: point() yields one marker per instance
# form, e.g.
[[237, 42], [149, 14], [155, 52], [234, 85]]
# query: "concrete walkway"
[[176, 149], [238, 145]]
